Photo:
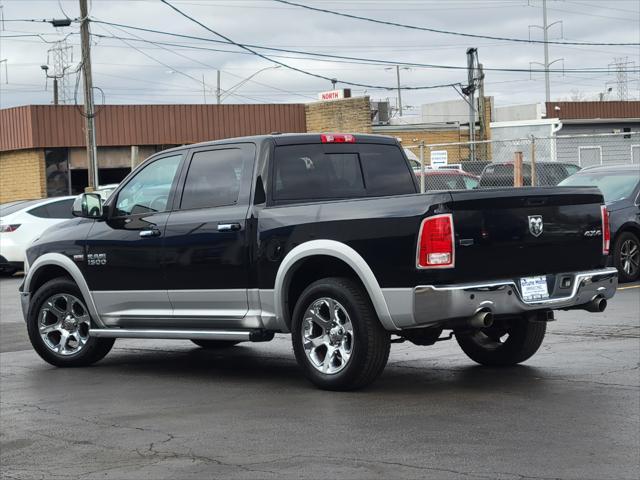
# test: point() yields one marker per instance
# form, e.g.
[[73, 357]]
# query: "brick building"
[[43, 153]]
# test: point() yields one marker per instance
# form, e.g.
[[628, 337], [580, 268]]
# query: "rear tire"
[[626, 257], [503, 344], [337, 338], [58, 324], [215, 344]]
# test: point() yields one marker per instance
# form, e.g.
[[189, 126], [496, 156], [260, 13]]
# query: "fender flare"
[[72, 269], [342, 252]]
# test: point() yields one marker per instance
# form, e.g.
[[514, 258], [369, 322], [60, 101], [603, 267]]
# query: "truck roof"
[[292, 139]]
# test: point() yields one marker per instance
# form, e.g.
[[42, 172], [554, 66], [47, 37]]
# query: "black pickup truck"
[[322, 236]]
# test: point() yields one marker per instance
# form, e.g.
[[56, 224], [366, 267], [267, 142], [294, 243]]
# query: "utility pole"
[[89, 112], [622, 81], [481, 104], [545, 28], [399, 87], [470, 90], [204, 91], [6, 69], [218, 87], [399, 90], [482, 117], [60, 57], [547, 64], [55, 91]]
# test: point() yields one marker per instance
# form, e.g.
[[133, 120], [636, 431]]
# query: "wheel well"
[[307, 271], [46, 273], [628, 227]]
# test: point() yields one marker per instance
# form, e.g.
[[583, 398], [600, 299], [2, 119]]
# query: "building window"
[[57, 172]]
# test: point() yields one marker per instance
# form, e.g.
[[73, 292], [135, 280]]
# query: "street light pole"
[[218, 88], [399, 90], [229, 91], [89, 111]]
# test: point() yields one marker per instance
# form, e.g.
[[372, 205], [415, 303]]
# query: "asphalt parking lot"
[[167, 409]]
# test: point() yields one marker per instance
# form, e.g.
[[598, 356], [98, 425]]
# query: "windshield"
[[12, 207], [614, 186]]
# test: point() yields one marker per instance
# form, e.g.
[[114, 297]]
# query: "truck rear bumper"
[[437, 304]]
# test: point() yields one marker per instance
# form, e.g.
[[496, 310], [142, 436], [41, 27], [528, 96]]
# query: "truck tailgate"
[[511, 233]]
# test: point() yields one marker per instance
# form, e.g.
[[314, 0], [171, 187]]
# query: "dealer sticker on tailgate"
[[534, 288]]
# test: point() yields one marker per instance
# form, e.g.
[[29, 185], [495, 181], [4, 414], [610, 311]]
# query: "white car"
[[22, 221], [106, 190]]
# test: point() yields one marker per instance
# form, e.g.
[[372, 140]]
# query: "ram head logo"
[[535, 225]]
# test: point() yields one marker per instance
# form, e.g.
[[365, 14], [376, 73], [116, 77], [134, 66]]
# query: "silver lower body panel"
[[172, 334]]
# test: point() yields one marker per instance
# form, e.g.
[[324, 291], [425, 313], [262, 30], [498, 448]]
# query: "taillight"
[[435, 242], [337, 138], [606, 230], [9, 228]]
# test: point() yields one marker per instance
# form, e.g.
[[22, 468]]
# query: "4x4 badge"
[[536, 225]]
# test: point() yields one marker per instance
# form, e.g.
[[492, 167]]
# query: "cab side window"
[[213, 179], [149, 190]]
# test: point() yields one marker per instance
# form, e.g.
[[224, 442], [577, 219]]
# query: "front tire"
[[505, 343], [58, 324], [337, 338], [626, 256]]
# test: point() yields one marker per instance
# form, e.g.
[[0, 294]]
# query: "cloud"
[[175, 75]]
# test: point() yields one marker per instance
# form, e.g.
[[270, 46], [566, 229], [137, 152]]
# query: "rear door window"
[[61, 209], [12, 207], [213, 179]]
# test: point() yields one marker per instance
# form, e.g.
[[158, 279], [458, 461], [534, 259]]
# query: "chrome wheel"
[[63, 323], [327, 335], [630, 257]]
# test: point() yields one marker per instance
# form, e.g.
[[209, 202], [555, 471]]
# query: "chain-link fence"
[[540, 161]]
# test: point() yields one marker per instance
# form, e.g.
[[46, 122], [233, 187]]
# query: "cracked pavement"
[[168, 409]]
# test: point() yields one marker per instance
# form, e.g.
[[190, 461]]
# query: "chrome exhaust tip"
[[597, 305], [482, 319]]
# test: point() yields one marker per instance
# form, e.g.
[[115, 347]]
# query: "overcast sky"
[[152, 73]]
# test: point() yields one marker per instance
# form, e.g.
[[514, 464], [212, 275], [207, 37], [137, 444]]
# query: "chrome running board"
[[233, 335]]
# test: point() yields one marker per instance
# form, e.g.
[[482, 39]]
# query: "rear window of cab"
[[320, 172]]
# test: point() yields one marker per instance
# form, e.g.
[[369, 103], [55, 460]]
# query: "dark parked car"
[[322, 236], [620, 185], [448, 179], [496, 175]]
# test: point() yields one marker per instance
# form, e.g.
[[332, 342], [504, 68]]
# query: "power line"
[[290, 67], [334, 56], [173, 69], [205, 64], [446, 32]]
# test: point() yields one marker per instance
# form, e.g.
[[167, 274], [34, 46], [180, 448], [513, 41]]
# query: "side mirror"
[[88, 205]]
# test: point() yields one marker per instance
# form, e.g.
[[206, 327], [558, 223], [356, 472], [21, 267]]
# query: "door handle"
[[228, 227], [154, 232]]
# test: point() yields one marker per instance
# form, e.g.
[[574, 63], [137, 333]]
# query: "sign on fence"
[[439, 158]]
